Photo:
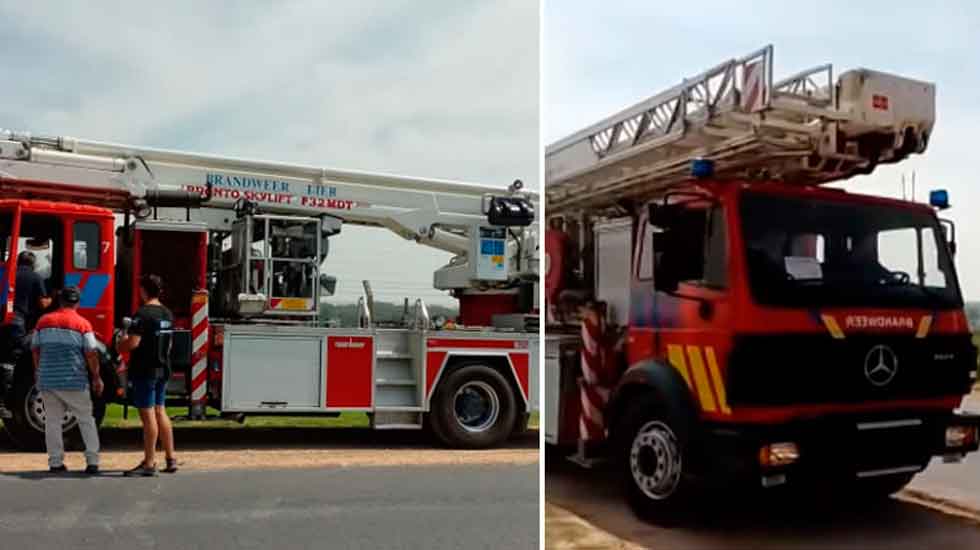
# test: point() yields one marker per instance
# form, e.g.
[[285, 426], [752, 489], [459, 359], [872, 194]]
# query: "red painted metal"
[[349, 372]]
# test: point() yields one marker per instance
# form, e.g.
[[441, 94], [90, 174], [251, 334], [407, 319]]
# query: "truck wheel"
[[652, 462], [474, 408], [26, 428]]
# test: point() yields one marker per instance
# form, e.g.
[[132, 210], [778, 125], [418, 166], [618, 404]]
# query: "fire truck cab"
[[739, 324]]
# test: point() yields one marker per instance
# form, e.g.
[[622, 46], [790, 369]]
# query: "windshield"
[[806, 252]]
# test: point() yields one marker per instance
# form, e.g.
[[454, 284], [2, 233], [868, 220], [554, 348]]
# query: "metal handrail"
[[422, 319]]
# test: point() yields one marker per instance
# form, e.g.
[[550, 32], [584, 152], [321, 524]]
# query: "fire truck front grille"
[[791, 368]]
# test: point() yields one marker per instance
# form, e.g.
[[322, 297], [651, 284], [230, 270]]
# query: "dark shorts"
[[149, 392]]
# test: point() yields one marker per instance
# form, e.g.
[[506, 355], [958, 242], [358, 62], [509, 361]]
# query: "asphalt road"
[[428, 507], [759, 522]]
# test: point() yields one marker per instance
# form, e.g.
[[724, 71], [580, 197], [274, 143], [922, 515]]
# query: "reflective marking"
[[889, 424], [709, 354], [675, 354], [701, 379], [889, 471], [924, 324], [832, 326]]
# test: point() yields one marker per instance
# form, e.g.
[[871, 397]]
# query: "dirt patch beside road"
[[565, 530], [280, 459], [221, 449]]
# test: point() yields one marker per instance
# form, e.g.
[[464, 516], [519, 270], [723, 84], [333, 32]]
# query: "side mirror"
[[328, 284], [663, 216], [949, 233], [665, 275]]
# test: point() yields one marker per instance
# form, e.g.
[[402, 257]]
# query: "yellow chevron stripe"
[[924, 325], [701, 379], [832, 326], [675, 354], [709, 354]]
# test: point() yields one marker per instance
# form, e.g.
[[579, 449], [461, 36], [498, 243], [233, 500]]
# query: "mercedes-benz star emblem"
[[880, 365]]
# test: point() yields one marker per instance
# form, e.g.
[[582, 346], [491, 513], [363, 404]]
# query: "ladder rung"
[[805, 129]]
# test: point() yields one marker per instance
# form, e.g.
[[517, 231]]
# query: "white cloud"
[[440, 89]]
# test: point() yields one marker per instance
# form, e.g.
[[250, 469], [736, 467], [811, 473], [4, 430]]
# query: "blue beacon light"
[[702, 168], [939, 199]]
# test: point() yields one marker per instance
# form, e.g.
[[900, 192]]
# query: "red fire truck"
[[717, 316], [242, 246]]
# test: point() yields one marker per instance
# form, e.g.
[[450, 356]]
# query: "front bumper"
[[833, 448]]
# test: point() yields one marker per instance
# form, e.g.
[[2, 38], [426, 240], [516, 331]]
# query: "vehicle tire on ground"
[[651, 446], [26, 427], [473, 408]]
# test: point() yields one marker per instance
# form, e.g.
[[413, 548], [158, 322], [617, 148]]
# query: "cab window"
[[85, 246]]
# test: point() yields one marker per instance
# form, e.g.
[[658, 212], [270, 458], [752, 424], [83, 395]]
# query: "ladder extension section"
[[805, 129]]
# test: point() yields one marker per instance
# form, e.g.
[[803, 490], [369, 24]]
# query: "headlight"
[[778, 454], [960, 436]]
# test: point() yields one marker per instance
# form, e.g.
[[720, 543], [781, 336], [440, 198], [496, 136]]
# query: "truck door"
[[680, 298], [88, 264], [9, 220]]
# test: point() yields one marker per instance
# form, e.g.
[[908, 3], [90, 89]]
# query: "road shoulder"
[[565, 530]]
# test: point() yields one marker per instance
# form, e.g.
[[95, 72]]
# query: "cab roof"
[[52, 207]]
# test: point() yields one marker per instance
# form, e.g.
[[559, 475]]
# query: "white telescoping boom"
[[444, 214]]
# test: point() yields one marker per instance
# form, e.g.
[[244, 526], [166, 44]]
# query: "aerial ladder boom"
[[807, 129], [443, 214]]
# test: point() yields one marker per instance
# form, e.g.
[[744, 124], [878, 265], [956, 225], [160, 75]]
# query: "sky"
[[444, 89], [598, 62]]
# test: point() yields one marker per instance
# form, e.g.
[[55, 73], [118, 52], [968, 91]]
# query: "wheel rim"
[[476, 406], [655, 460], [34, 412]]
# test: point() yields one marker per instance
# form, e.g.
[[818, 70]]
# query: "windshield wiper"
[[907, 282]]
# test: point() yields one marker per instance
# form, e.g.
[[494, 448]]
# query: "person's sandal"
[[171, 466], [142, 471]]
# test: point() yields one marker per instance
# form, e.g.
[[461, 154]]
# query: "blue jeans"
[[149, 392]]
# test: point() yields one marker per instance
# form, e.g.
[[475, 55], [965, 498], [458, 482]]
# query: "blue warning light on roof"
[[939, 198], [702, 168]]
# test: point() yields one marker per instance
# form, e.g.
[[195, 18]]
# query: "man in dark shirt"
[[31, 296], [149, 371]]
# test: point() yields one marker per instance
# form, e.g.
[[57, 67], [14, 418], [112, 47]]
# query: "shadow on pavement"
[[40, 475], [760, 520]]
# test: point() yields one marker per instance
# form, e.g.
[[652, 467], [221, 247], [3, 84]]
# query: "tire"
[[473, 408], [26, 427], [651, 445]]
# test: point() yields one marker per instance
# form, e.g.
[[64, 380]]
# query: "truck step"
[[396, 420], [386, 354], [395, 381]]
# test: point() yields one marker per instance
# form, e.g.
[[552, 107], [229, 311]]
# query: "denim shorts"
[[149, 392]]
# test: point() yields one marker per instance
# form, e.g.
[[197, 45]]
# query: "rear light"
[[958, 437], [778, 454]]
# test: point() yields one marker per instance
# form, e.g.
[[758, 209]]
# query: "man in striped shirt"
[[64, 349]]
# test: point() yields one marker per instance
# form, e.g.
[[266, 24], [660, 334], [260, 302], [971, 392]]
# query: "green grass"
[[114, 419]]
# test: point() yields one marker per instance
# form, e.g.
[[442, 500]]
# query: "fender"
[[658, 378]]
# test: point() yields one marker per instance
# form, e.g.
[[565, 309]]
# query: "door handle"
[[349, 345]]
